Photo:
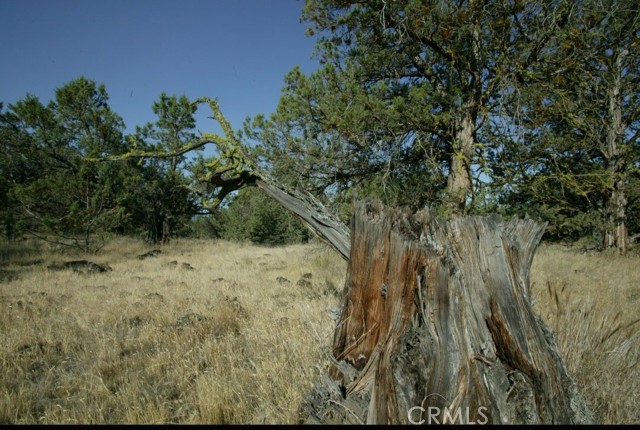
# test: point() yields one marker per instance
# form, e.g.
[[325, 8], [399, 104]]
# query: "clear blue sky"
[[237, 51]]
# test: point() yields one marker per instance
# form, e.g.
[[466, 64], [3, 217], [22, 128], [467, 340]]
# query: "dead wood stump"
[[437, 327]]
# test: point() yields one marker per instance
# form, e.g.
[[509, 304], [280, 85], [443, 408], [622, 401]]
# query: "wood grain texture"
[[312, 212], [437, 315]]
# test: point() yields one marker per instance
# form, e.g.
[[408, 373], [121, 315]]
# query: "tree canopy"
[[53, 188], [516, 107], [473, 106]]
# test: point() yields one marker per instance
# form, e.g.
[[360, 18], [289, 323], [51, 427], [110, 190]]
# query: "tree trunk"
[[312, 212], [616, 234], [459, 179], [166, 227], [437, 327]]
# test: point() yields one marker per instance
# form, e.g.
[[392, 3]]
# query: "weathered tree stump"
[[437, 327]]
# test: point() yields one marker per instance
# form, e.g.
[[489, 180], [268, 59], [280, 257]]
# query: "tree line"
[[511, 106], [515, 107], [57, 184]]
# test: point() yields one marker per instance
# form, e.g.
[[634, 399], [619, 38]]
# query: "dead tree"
[[233, 169], [313, 213], [437, 327]]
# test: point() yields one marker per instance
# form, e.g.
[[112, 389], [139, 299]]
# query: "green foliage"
[[572, 141], [209, 226], [549, 91], [253, 216], [403, 99], [634, 205], [524, 108], [166, 202], [52, 188]]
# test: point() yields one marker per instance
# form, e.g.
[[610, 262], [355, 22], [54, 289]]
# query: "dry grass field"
[[240, 333], [592, 304]]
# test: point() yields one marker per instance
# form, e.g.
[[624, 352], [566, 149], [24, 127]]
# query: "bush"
[[254, 216], [206, 226]]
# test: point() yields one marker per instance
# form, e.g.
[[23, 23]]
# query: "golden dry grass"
[[592, 304], [228, 342], [153, 342]]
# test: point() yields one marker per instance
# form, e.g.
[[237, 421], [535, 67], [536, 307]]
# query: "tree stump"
[[437, 327]]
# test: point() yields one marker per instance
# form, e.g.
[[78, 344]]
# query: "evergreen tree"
[[575, 117], [404, 96], [170, 202], [55, 188], [252, 215]]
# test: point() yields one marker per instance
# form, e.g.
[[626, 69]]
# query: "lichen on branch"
[[216, 176]]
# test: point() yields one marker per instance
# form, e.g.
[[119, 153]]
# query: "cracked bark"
[[437, 326]]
